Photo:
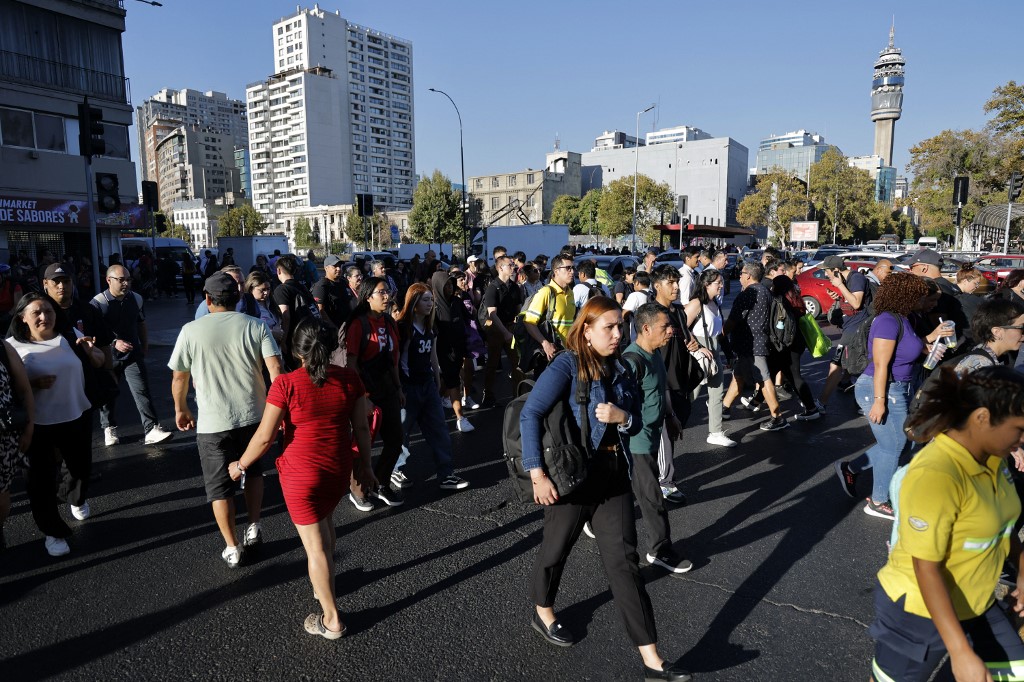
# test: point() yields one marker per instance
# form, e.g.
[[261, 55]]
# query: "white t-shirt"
[[632, 302], [65, 401]]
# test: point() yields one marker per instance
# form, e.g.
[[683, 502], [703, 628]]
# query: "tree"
[[566, 211], [615, 211], [843, 196], [375, 234], [241, 221], [176, 231], [778, 200], [436, 210], [305, 235], [590, 208]]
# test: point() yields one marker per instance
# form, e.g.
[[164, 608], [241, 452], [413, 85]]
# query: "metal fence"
[[34, 71]]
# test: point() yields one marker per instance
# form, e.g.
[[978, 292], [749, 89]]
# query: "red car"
[[997, 266], [814, 287]]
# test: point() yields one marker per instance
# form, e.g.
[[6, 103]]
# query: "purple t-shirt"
[[907, 351]]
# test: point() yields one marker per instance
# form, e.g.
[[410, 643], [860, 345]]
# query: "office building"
[[793, 153], [526, 197], [887, 97], [615, 139], [195, 165], [62, 52], [883, 175], [334, 120], [200, 218]]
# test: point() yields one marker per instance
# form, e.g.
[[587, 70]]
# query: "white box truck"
[[245, 249], [532, 240]]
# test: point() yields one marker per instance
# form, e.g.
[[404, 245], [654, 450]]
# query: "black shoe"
[[389, 496], [667, 672], [556, 634], [488, 401], [775, 424], [847, 479]]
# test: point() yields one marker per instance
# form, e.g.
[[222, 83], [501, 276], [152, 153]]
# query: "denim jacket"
[[559, 380]]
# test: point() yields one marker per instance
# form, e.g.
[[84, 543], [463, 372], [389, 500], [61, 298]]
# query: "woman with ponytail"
[[957, 507], [320, 404]]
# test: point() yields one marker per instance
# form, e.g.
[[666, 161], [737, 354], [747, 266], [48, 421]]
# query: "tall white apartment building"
[[205, 112], [335, 119]]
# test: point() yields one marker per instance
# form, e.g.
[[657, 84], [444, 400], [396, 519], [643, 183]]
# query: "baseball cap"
[[834, 263], [472, 259], [220, 283], [55, 270], [331, 260], [926, 256]]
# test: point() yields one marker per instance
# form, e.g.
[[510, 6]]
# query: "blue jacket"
[[559, 380]]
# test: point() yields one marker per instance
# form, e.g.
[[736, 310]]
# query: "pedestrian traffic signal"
[[150, 196], [1016, 182], [90, 131], [160, 222], [108, 200], [960, 185]]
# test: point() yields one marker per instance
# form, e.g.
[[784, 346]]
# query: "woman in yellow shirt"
[[957, 510]]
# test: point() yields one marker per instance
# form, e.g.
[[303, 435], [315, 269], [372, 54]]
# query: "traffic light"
[[1016, 182], [160, 222], [150, 196], [90, 131], [960, 185], [364, 205], [107, 198]]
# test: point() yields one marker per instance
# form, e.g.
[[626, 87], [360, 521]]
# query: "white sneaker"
[[157, 435], [446, 403], [56, 546], [81, 513], [469, 403], [464, 425], [232, 556], [588, 531], [110, 436], [720, 438], [253, 536]]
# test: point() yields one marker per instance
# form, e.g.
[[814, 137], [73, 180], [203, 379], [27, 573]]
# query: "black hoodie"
[[448, 319]]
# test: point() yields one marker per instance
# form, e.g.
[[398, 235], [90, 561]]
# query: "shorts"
[[451, 373], [216, 450], [751, 370], [909, 647]]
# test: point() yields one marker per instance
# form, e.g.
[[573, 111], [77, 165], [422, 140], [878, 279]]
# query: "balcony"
[[21, 68]]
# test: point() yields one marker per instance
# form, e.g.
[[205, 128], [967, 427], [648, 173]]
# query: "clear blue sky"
[[526, 71]]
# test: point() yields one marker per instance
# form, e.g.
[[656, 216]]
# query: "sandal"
[[314, 625]]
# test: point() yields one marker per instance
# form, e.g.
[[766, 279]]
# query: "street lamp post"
[[462, 161], [636, 169]]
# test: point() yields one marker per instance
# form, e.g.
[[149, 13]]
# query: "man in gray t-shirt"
[[224, 354]]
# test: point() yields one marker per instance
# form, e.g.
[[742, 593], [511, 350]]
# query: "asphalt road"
[[781, 588]]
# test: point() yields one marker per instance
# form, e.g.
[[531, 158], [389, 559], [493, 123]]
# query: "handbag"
[[567, 444], [14, 419], [817, 343], [708, 365]]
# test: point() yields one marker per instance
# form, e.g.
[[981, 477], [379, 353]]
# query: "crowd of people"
[[372, 351]]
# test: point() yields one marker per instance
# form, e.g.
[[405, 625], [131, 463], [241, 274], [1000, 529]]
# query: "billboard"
[[805, 231]]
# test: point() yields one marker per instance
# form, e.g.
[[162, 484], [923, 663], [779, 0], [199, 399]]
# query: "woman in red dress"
[[322, 407]]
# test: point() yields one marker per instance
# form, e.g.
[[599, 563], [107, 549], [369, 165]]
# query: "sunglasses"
[[1018, 327], [122, 280]]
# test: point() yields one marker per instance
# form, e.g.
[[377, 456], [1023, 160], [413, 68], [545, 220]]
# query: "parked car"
[[996, 266], [824, 252], [613, 265], [814, 287]]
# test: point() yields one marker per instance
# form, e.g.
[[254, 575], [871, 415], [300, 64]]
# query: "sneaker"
[[110, 436], [809, 415], [232, 556], [882, 511], [488, 401], [360, 503], [464, 426], [588, 531], [726, 414], [453, 482], [446, 403], [673, 494], [774, 424], [399, 480], [847, 479], [81, 513], [253, 536], [56, 546], [820, 407], [670, 562], [469, 403], [719, 438], [860, 411], [389, 496], [157, 435], [751, 404]]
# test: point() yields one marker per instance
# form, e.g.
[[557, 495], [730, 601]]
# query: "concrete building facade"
[[707, 175], [527, 196], [335, 119], [883, 175], [195, 165], [793, 152], [200, 218], [56, 53]]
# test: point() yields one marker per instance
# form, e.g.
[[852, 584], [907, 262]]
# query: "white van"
[[132, 249], [928, 243]]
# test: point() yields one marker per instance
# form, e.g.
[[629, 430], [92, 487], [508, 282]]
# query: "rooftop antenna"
[[558, 142]]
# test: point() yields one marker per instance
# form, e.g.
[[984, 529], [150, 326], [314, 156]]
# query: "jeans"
[[134, 372], [423, 407], [716, 391], [883, 457]]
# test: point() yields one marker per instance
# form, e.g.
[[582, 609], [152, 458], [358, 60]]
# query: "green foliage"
[[176, 231], [372, 235], [843, 196], [241, 221], [305, 235], [615, 208], [778, 200], [589, 210], [436, 208], [566, 211]]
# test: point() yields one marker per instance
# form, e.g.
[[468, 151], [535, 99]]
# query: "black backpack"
[[565, 460], [856, 354], [781, 327], [933, 377]]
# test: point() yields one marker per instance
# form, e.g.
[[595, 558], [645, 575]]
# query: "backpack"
[[565, 459], [521, 339], [781, 327], [856, 354], [933, 378]]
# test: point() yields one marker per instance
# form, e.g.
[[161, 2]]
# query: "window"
[[511, 181], [495, 182], [479, 183], [16, 128], [494, 203], [529, 178]]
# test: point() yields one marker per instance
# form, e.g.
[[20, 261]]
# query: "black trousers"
[[647, 489], [70, 442], [606, 501], [390, 431]]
